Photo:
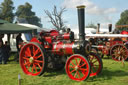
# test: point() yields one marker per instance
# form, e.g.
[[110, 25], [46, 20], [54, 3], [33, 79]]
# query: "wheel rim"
[[75, 70], [96, 64], [119, 53], [32, 59]]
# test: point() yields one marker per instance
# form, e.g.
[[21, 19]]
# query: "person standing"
[[2, 57], [7, 51], [18, 41], [2, 50]]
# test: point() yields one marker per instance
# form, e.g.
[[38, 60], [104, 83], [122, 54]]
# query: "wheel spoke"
[[82, 69], [92, 71], [73, 63], [82, 73], [32, 69], [116, 57], [35, 67], [37, 51], [79, 62], [28, 51], [94, 68], [28, 66], [26, 63], [76, 61], [27, 54], [75, 74], [38, 61], [119, 58], [122, 49], [38, 56], [33, 49], [25, 58], [91, 58], [82, 64], [39, 66], [78, 74], [96, 65], [71, 66], [72, 70], [94, 61]]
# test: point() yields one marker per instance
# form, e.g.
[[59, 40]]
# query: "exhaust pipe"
[[98, 28], [110, 27], [81, 22]]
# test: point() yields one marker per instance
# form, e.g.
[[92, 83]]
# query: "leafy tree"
[[91, 25], [25, 11], [123, 21], [56, 17], [7, 10], [123, 18]]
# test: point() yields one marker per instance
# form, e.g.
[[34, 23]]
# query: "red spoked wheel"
[[119, 52], [77, 67], [96, 64], [32, 59]]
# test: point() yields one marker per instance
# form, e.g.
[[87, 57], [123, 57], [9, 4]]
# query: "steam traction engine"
[[114, 45], [51, 50]]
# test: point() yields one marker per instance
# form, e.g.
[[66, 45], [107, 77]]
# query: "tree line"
[[23, 11]]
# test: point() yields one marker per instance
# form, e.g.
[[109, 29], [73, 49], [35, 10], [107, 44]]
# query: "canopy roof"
[[6, 27]]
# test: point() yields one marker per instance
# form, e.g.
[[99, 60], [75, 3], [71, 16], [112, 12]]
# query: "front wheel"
[[77, 67]]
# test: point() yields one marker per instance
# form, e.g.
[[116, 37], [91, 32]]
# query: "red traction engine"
[[52, 51]]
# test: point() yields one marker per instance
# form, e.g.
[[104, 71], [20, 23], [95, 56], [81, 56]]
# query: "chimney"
[[110, 27], [81, 22], [98, 28]]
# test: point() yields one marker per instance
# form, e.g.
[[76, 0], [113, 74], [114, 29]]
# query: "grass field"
[[113, 73]]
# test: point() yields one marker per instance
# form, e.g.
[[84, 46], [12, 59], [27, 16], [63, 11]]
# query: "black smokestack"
[[81, 22], [110, 27], [98, 28]]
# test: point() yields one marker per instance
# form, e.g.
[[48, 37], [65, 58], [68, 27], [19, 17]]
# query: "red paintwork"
[[48, 39], [115, 42], [124, 32], [66, 36], [54, 34], [57, 46], [100, 47], [34, 39], [60, 48], [105, 50]]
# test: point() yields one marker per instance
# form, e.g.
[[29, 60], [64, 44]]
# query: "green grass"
[[113, 73]]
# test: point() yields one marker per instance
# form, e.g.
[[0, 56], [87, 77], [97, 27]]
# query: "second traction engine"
[[51, 51]]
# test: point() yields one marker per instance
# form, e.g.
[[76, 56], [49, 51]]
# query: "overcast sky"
[[97, 11]]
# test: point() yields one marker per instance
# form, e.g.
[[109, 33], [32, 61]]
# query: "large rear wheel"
[[77, 67], [32, 59]]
